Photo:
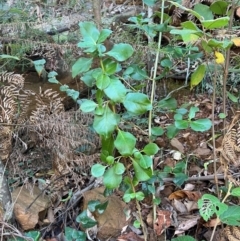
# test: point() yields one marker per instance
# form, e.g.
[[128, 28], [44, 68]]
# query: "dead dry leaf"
[[186, 225], [131, 236], [163, 221], [177, 144], [181, 194], [179, 206]]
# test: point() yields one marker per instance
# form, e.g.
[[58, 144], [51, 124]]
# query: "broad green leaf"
[[53, 80], [102, 81], [101, 207], [204, 11], [166, 63], [85, 221], [119, 168], [72, 93], [219, 7], [140, 196], [181, 124], [232, 97], [190, 25], [137, 103], [172, 131], [88, 106], [81, 65], [140, 173], [184, 238], [216, 23], [180, 178], [34, 235], [235, 192], [231, 216], [88, 78], [157, 131], [110, 160], [89, 32], [92, 205], [109, 66], [168, 103], [145, 161], [108, 145], [178, 117], [104, 34], [181, 111], [106, 123], [98, 170], [64, 88], [111, 180], [121, 52], [52, 74], [151, 149], [149, 3], [192, 112], [125, 143], [127, 197], [137, 224], [197, 76], [6, 56], [222, 115], [116, 91], [73, 234], [135, 72], [210, 205], [39, 65], [201, 125]]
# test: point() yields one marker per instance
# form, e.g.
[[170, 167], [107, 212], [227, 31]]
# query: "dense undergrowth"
[[123, 91]]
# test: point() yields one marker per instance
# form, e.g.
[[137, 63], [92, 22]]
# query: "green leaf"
[[104, 34], [168, 103], [72, 93], [103, 81], [88, 106], [149, 3], [140, 173], [92, 205], [235, 192], [39, 65], [145, 161], [115, 91], [101, 207], [34, 235], [121, 52], [151, 149], [192, 112], [108, 145], [98, 170], [180, 178], [53, 80], [64, 88], [6, 56], [184, 238], [89, 32], [181, 124], [232, 97], [219, 7], [197, 76], [190, 25], [88, 78], [172, 131], [137, 224], [110, 160], [204, 11], [140, 196], [137, 103], [135, 72], [178, 117], [231, 216], [85, 221], [81, 65], [216, 23], [125, 143], [201, 125], [73, 234], [106, 123], [52, 74], [119, 168], [111, 180], [222, 115], [157, 131], [109, 66], [210, 205]]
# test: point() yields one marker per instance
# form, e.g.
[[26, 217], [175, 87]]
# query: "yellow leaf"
[[219, 57], [236, 41]]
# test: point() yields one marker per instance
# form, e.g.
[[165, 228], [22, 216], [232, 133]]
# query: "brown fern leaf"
[[236, 232], [229, 150], [229, 234]]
